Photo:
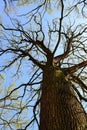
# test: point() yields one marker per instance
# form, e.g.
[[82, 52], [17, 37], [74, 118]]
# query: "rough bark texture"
[[60, 109]]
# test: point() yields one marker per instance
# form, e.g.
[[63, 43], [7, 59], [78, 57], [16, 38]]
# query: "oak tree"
[[45, 48]]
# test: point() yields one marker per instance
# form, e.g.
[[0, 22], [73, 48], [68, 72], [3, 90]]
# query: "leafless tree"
[[54, 57]]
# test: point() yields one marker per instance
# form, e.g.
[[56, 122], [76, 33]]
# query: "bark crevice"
[[60, 109]]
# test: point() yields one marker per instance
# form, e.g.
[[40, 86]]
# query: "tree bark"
[[60, 109]]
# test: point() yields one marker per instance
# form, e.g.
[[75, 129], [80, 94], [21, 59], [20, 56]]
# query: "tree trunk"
[[60, 109]]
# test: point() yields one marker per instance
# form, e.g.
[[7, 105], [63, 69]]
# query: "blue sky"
[[8, 74], [14, 11]]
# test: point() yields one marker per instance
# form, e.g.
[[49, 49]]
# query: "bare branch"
[[34, 109], [79, 94], [80, 82], [60, 26], [75, 68], [65, 54]]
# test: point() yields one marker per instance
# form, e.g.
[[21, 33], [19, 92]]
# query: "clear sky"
[[9, 80], [13, 11]]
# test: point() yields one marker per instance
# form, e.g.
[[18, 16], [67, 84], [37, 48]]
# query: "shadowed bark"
[[60, 109]]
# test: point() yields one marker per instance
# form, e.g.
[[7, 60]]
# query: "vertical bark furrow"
[[60, 109]]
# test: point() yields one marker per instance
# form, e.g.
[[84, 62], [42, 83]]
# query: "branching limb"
[[35, 43], [76, 67], [20, 86], [79, 94], [65, 54], [24, 54], [79, 81], [70, 41], [60, 26]]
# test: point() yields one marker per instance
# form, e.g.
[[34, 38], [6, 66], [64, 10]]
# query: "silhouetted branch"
[[80, 82], [79, 94], [76, 67], [60, 26], [65, 54]]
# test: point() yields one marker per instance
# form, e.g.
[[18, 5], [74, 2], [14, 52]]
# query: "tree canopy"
[[34, 35]]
